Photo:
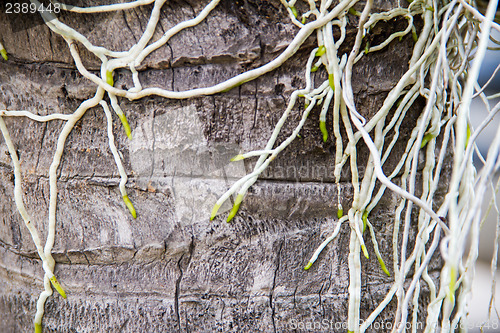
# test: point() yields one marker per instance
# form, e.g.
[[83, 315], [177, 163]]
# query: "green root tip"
[[126, 126], [38, 328], [468, 136], [294, 11], [237, 158], [322, 127], [331, 81], [109, 78], [309, 264], [426, 139], [414, 36], [130, 206], [321, 51], [57, 287], [303, 21], [353, 11], [314, 69], [367, 48], [365, 251], [383, 266], [365, 220], [233, 212], [3, 52], [453, 281], [214, 212], [340, 213], [236, 207]]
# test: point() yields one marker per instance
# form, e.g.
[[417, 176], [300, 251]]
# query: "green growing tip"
[[237, 158], [353, 11], [109, 78], [453, 281], [415, 36], [331, 81], [365, 220], [303, 20], [428, 137], [365, 251], [3, 52], [322, 127], [314, 69], [57, 287], [382, 265], [236, 207], [468, 136], [340, 211], [214, 211], [126, 125], [321, 51], [38, 328], [367, 47], [130, 206], [309, 264], [294, 11]]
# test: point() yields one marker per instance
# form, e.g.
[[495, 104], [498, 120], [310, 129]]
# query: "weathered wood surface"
[[172, 269]]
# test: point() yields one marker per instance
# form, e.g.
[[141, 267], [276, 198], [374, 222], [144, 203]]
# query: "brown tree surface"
[[172, 269]]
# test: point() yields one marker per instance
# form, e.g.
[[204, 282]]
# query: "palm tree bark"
[[172, 269]]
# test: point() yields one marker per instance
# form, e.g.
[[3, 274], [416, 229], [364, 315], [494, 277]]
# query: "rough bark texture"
[[172, 269]]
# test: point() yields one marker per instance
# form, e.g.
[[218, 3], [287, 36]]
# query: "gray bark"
[[172, 269]]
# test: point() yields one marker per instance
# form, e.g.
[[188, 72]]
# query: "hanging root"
[[439, 71]]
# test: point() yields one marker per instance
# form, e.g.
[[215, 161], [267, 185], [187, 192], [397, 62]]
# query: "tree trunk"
[[172, 269]]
